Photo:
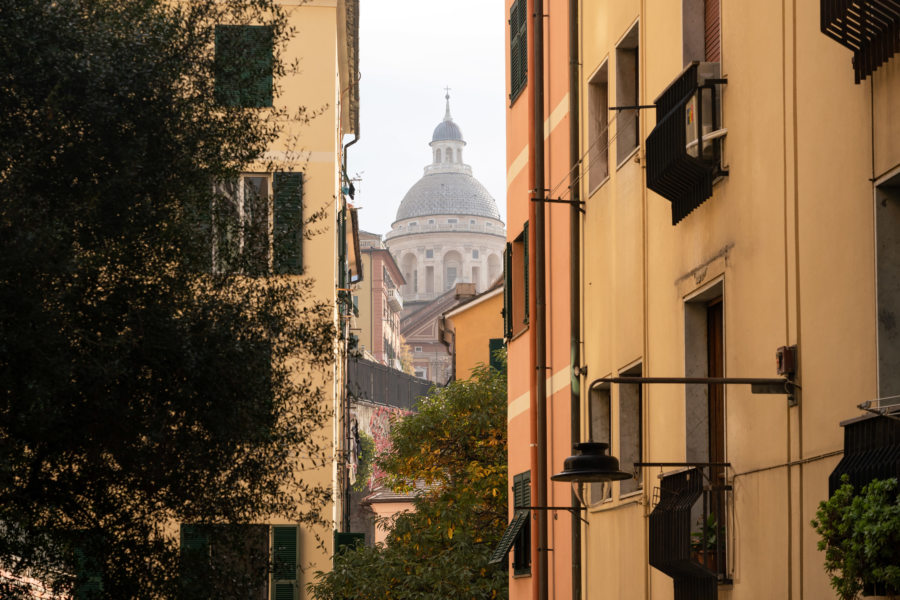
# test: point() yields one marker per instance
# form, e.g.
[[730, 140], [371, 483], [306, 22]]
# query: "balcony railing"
[[688, 533], [395, 300], [372, 382], [684, 149], [871, 28]]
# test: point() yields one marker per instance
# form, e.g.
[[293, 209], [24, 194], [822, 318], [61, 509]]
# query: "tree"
[[139, 386], [860, 534], [454, 446]]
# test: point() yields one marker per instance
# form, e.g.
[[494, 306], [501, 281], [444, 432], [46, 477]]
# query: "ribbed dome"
[[447, 130], [447, 194]]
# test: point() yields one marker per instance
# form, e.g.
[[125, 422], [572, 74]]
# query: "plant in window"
[[860, 534]]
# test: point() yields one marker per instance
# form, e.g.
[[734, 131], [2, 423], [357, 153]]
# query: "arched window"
[[437, 155], [459, 155]]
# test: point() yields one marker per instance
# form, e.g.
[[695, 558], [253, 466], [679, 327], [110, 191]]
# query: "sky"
[[410, 50]]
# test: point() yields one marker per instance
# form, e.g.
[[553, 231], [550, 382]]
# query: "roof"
[[447, 193]]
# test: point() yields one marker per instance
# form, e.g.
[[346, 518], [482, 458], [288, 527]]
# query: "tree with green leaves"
[[452, 453], [860, 535], [149, 375]]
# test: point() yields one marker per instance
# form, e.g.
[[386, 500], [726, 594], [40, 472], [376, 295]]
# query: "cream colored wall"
[[386, 510], [473, 329], [789, 236], [364, 292]]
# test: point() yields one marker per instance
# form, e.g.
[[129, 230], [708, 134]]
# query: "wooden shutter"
[[244, 63], [712, 30], [195, 560], [507, 290], [525, 268], [88, 571], [284, 562], [522, 544], [288, 221], [518, 48], [495, 344]]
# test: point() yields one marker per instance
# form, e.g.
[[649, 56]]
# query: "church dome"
[[447, 130], [447, 194], [447, 187]]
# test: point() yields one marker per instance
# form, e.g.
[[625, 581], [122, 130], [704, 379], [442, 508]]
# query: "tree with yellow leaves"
[[455, 444]]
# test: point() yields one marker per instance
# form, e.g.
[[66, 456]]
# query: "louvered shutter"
[[525, 268], [244, 62], [712, 30], [495, 344], [522, 543], [507, 291], [518, 52], [288, 221], [195, 559], [89, 572], [285, 560]]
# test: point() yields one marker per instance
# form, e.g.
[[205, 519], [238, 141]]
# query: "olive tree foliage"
[[139, 387], [453, 451]]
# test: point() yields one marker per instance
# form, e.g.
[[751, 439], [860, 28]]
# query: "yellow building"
[[737, 165], [474, 331], [307, 179], [747, 213]]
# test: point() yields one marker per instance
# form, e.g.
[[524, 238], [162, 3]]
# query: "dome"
[[447, 194], [447, 130]]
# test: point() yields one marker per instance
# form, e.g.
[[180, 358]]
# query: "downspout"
[[575, 276], [540, 326], [345, 354]]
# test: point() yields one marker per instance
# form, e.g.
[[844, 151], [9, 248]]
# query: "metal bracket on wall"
[[758, 385], [571, 509], [580, 203]]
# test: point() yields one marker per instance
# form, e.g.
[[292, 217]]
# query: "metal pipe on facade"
[[540, 325], [575, 273]]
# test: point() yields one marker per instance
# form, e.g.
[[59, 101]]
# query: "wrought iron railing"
[[688, 530]]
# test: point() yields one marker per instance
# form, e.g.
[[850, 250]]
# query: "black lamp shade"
[[591, 463]]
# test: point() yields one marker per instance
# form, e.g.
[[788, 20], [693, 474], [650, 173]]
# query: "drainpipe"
[[575, 275], [540, 326], [345, 355]]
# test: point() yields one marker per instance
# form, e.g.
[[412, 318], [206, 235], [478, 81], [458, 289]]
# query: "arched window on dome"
[[459, 155], [410, 274], [437, 155]]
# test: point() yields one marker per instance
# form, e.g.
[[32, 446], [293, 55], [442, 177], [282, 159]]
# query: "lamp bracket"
[[571, 509], [578, 203]]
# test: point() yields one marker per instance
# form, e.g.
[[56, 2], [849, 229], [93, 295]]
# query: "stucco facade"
[[793, 245]]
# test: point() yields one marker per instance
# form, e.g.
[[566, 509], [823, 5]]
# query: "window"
[[474, 253], [488, 225], [431, 221], [522, 544], [701, 31], [260, 561], [243, 65], [598, 127], [518, 49], [421, 373], [418, 349], [429, 253], [471, 221], [630, 430], [515, 310], [887, 233], [451, 277], [437, 155], [601, 419], [627, 121], [429, 280], [452, 221]]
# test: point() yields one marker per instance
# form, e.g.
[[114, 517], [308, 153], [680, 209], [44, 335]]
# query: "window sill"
[[519, 334], [597, 187], [629, 157], [522, 575], [637, 492]]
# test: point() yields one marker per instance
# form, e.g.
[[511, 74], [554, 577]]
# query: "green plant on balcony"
[[860, 534], [703, 541]]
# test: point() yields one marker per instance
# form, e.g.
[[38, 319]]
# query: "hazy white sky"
[[409, 51]]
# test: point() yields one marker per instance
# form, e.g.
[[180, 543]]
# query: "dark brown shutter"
[[712, 31]]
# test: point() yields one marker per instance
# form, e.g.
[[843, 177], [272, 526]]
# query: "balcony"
[[870, 28], [395, 301], [684, 149], [688, 533]]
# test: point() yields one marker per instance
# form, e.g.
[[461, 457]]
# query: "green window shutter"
[[526, 266], [288, 220], [522, 542], [244, 64], [507, 290], [284, 591], [195, 560], [88, 574], [518, 49], [495, 344]]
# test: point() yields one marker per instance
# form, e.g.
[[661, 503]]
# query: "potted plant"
[[703, 542], [860, 534]]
